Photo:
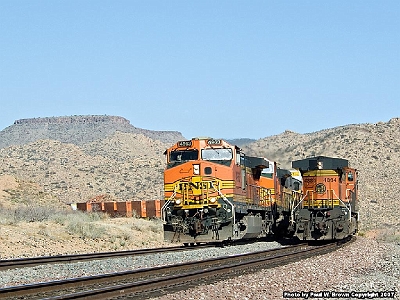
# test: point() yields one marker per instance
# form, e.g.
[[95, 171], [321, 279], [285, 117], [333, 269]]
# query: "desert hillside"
[[78, 158], [374, 149], [123, 166]]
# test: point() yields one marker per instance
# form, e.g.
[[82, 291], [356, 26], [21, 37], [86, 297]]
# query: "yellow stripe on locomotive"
[[321, 189], [197, 192]]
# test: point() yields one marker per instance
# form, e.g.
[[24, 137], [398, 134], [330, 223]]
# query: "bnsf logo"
[[320, 188], [196, 185]]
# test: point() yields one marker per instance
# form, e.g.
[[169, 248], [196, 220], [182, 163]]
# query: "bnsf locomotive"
[[214, 192], [328, 209]]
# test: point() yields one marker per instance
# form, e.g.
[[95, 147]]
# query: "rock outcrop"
[[77, 130]]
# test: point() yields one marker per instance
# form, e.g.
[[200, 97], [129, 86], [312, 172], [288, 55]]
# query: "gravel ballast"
[[360, 270], [366, 265], [71, 270]]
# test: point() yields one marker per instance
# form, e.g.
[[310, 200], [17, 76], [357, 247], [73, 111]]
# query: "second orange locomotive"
[[328, 209]]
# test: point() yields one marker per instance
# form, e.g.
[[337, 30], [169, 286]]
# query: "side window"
[[350, 176], [243, 173], [238, 158]]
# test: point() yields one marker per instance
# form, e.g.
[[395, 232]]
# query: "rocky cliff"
[[77, 130]]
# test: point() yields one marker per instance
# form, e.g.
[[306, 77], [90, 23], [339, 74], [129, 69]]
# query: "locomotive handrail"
[[296, 195], [166, 204], [259, 194], [298, 204], [226, 200], [348, 207], [163, 208], [348, 193]]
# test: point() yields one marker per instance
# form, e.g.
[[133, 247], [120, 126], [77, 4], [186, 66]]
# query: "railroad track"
[[151, 282], [42, 260]]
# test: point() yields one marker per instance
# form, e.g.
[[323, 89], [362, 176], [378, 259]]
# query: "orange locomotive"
[[328, 209], [214, 192]]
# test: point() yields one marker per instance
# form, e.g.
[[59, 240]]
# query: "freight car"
[[328, 209], [214, 192]]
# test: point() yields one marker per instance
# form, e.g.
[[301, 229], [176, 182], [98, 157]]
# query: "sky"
[[223, 69]]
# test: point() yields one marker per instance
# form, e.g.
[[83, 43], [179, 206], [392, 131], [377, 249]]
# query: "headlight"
[[213, 200], [178, 201], [196, 169]]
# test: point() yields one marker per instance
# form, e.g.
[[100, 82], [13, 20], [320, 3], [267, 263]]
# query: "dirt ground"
[[68, 232], [6, 182], [49, 238]]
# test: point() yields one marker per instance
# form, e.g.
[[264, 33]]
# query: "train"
[[214, 192]]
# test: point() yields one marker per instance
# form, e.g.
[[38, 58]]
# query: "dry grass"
[[77, 232]]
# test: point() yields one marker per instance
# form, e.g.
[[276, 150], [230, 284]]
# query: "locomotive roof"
[[311, 163]]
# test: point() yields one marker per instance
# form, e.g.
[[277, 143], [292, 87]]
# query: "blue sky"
[[205, 68]]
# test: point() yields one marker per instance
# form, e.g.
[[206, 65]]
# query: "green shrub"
[[147, 225], [84, 229], [27, 213]]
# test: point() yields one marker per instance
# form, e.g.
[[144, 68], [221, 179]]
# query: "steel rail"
[[140, 281], [42, 260]]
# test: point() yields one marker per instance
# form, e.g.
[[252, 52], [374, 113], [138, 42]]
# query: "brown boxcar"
[[140, 207]]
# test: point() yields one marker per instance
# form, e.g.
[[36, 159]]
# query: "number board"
[[214, 142], [184, 144], [330, 179], [309, 181]]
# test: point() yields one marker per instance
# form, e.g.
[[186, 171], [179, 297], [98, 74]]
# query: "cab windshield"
[[220, 156], [180, 156]]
